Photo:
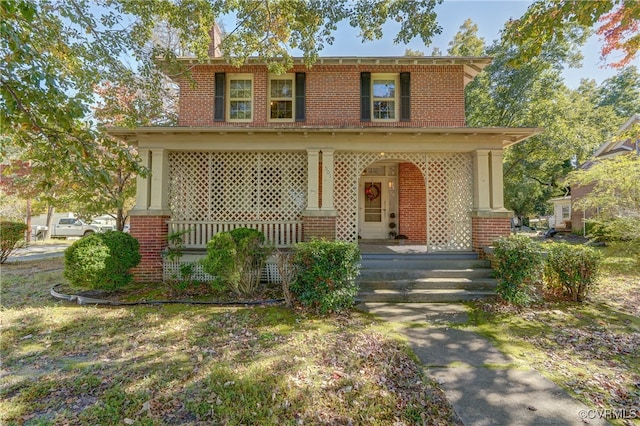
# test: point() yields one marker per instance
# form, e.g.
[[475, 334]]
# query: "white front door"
[[376, 202]]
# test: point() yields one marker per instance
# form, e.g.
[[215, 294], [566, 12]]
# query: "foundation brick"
[[151, 232]]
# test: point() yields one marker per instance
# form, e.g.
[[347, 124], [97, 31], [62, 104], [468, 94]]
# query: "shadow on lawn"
[[182, 364]]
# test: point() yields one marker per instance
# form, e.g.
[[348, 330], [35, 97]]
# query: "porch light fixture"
[[382, 154], [392, 186]]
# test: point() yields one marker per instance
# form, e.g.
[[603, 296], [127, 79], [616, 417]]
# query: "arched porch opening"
[[434, 196]]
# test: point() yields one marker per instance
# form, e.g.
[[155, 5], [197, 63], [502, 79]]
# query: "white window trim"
[[292, 78], [396, 110], [228, 99]]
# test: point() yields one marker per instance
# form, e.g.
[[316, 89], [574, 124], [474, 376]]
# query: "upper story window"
[[282, 97], [240, 97], [384, 97], [234, 97]]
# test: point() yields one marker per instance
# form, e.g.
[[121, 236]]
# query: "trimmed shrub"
[[326, 273], [571, 271], [518, 262], [11, 234], [236, 260], [102, 261]]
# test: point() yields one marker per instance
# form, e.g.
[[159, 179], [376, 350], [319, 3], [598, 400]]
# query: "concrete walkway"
[[37, 252], [484, 386]]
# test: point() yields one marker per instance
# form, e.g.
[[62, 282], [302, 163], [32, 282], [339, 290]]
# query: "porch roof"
[[456, 138]]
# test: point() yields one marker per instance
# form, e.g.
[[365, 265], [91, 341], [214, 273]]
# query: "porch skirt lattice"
[[172, 270]]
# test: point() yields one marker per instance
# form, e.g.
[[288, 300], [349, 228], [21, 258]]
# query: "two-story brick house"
[[351, 149]]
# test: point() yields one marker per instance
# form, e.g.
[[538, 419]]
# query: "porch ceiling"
[[454, 139]]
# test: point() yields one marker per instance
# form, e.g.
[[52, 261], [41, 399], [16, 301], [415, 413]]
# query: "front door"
[[376, 203]]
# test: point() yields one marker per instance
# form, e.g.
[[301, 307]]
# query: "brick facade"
[[151, 232], [577, 214], [488, 229], [412, 205], [318, 227], [333, 96]]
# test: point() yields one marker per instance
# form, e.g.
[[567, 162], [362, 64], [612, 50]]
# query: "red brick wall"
[[412, 203], [488, 229], [333, 96], [577, 214], [151, 232], [318, 227]]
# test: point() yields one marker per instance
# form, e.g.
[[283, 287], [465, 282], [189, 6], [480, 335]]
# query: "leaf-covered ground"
[[181, 364], [590, 349]]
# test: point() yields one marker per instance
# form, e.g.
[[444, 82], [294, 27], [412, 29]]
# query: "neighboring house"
[[608, 149], [352, 148], [561, 218]]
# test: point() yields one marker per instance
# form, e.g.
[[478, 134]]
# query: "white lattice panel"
[[237, 186], [172, 272], [449, 201], [449, 195]]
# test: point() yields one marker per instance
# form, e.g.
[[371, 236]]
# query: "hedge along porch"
[[443, 185]]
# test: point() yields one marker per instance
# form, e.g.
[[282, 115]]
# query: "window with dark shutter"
[[365, 96], [405, 96], [300, 96], [218, 106]]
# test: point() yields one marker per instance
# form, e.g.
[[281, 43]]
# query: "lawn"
[[590, 349], [184, 364]]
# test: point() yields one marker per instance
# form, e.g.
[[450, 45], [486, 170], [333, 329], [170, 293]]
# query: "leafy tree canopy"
[[546, 21], [532, 94]]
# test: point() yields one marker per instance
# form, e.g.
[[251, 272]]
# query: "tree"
[[558, 21], [615, 185], [466, 41], [533, 95], [436, 52], [621, 92], [411, 52]]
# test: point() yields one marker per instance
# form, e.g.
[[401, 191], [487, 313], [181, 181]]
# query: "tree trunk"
[[120, 219], [28, 236], [50, 211]]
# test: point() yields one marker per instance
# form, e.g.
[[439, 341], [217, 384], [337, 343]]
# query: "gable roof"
[[619, 146]]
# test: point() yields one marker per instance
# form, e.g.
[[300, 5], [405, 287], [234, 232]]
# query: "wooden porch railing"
[[280, 234]]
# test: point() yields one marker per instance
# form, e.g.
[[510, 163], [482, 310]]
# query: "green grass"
[[182, 364], [590, 349]]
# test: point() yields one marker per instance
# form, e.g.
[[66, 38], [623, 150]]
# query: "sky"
[[489, 16]]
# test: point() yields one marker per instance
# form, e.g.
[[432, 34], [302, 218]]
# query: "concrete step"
[[423, 296], [424, 277], [387, 274], [448, 283], [422, 264]]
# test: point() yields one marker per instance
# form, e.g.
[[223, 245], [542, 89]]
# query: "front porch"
[[438, 188]]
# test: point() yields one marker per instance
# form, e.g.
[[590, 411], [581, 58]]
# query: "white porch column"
[[142, 183], [313, 164], [497, 181], [481, 180], [327, 179], [159, 180]]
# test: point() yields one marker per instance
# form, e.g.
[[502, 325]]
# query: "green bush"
[[102, 261], [326, 273], [622, 232], [236, 259], [11, 234], [571, 270], [518, 262]]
